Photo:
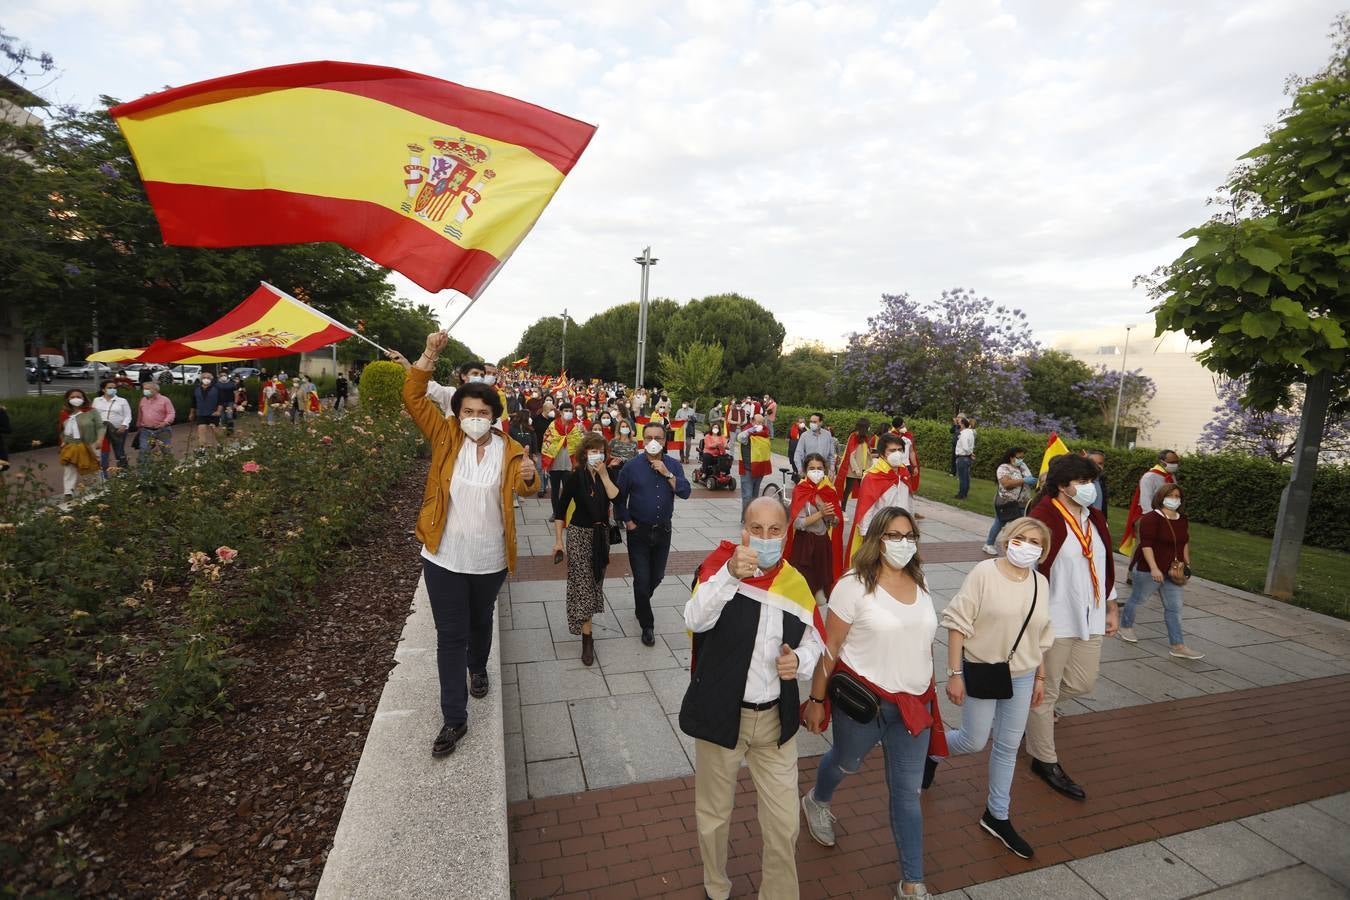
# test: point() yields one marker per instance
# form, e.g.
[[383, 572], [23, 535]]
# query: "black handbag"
[[853, 698], [615, 534], [993, 681]]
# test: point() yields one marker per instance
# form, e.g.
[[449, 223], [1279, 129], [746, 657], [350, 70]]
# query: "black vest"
[[712, 705]]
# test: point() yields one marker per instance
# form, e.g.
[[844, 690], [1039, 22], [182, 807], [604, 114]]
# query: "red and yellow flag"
[[875, 483], [270, 322], [435, 180], [757, 457], [1055, 447], [1137, 512], [824, 496], [522, 362], [675, 433]]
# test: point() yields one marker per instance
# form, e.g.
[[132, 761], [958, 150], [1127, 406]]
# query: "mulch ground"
[[1150, 771], [257, 798]]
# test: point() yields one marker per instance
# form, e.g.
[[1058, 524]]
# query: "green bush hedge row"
[[1226, 490]]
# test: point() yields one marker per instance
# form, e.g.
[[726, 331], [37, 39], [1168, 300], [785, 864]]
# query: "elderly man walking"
[[754, 622], [816, 438]]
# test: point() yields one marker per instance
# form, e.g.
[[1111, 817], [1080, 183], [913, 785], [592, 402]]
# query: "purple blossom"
[[72, 269], [1237, 429], [1104, 387], [109, 170], [1040, 423]]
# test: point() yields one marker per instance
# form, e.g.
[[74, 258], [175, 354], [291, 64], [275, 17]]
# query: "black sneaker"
[[445, 742], [1003, 830], [930, 766], [478, 684]]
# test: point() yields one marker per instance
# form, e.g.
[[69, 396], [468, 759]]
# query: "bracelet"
[[1040, 677], [819, 700]]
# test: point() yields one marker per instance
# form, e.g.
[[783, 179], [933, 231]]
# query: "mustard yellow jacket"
[[446, 438]]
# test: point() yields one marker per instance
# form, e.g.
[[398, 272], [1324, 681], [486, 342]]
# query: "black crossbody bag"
[[993, 681]]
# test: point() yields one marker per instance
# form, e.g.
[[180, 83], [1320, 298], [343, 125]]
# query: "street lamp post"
[[564, 341], [1120, 388], [646, 260]]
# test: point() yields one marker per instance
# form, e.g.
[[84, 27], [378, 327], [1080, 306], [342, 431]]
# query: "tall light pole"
[[1120, 388], [564, 342], [646, 260]]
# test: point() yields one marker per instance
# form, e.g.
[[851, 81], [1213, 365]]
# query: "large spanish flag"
[[757, 457], [270, 322], [675, 433], [435, 180]]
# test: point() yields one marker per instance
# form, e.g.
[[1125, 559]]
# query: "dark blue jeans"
[[648, 547], [962, 476], [462, 607]]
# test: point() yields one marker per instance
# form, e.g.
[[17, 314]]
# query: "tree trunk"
[[1297, 496]]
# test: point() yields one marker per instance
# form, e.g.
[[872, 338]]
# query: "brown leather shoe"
[[587, 649]]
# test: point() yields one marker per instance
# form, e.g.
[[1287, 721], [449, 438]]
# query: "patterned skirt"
[[585, 595]]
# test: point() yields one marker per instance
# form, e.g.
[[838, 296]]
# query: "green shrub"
[[382, 387], [36, 418]]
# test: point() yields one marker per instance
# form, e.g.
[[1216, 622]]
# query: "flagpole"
[[323, 315]]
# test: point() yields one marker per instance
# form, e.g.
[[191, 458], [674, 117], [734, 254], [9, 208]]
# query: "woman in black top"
[[589, 490]]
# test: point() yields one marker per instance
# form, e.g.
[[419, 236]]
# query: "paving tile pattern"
[[1151, 772]]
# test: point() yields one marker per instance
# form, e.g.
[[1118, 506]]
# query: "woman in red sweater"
[[1164, 541]]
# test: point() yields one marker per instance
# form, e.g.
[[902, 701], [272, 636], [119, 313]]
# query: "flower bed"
[[119, 622]]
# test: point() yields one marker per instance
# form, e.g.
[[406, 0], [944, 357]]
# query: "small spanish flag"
[[1054, 448], [435, 180], [522, 362], [675, 433]]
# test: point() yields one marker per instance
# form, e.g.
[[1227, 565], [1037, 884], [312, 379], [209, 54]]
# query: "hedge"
[[1226, 490]]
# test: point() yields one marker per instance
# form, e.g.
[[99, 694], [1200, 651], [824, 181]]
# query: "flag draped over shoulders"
[[823, 496], [849, 448], [875, 483], [1137, 511], [561, 437]]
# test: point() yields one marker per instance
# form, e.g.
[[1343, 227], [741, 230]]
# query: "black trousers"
[[462, 606], [648, 548]]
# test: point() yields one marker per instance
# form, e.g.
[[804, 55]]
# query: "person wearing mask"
[[753, 622], [1000, 617], [208, 400], [562, 438], [965, 458], [794, 433], [1098, 458], [857, 459], [815, 543], [238, 402], [648, 486], [80, 431], [521, 432], [584, 508], [738, 416], [1014, 483], [815, 438], [717, 415], [155, 416], [1161, 563], [1082, 576], [885, 484], [880, 631], [714, 446], [770, 408], [467, 530], [340, 387], [606, 422], [753, 437], [624, 446], [1164, 471], [115, 412], [686, 415]]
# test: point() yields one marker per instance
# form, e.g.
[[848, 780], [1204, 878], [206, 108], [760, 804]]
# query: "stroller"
[[715, 471]]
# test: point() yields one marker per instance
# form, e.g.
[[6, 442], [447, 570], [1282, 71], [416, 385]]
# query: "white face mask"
[[895, 458], [489, 379], [77, 401], [475, 428], [1172, 502], [595, 459], [815, 475], [605, 420], [654, 447], [625, 430], [567, 416], [1084, 494], [475, 379], [1023, 555], [1172, 467], [146, 393], [814, 426], [899, 553]]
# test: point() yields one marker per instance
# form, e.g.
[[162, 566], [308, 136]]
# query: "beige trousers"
[[774, 771], [1071, 666]]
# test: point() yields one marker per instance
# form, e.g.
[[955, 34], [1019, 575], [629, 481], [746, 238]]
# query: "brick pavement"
[[1150, 771]]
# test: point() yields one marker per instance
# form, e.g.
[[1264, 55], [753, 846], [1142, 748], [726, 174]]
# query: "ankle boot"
[[587, 650]]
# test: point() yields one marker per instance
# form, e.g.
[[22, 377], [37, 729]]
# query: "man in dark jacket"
[[749, 618], [208, 402]]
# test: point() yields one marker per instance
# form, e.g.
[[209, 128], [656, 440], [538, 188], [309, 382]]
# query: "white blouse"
[[889, 643], [474, 540]]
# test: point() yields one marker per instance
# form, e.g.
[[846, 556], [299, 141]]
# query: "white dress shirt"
[[965, 442], [474, 540], [1072, 609], [114, 410], [761, 681], [440, 395]]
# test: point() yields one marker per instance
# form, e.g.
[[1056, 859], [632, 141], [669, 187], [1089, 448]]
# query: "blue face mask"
[[769, 551]]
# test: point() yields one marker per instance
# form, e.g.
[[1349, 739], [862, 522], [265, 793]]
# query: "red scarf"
[[821, 495], [919, 711]]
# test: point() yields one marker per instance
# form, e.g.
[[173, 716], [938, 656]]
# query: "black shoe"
[[648, 637], [1055, 776], [445, 742], [929, 771], [478, 684], [1003, 830]]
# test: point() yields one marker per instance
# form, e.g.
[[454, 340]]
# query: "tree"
[[1273, 434], [959, 353], [1102, 388], [1049, 383], [542, 342], [690, 372], [804, 376], [1266, 285], [749, 334]]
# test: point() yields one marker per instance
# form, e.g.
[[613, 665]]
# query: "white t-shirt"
[[889, 643], [474, 540], [441, 395]]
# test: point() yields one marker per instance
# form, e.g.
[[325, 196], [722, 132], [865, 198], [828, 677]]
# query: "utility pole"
[[646, 260], [564, 342], [1120, 388]]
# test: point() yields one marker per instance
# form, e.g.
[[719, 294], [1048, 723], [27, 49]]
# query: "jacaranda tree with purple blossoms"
[[1103, 388], [1237, 428], [934, 358]]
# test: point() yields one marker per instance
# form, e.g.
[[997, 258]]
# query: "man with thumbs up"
[[754, 623]]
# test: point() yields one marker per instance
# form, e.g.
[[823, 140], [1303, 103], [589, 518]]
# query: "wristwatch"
[[952, 673], [819, 700]]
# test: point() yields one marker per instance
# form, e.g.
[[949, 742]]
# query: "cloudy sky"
[[811, 155]]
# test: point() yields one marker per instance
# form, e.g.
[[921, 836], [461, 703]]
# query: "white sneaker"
[[920, 892], [1181, 651], [819, 819], [990, 549], [1127, 635]]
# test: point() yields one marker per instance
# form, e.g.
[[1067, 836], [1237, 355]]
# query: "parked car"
[[186, 374], [83, 369], [35, 368], [245, 372], [157, 372]]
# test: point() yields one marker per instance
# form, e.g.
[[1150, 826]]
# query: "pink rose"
[[226, 555], [326, 439], [251, 466]]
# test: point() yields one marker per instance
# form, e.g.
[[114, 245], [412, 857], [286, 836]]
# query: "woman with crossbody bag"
[[998, 631], [1162, 563], [879, 642]]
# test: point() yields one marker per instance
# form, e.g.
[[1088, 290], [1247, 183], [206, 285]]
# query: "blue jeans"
[[648, 549], [1144, 586], [461, 606], [997, 526], [962, 476], [905, 755], [1007, 720], [749, 489]]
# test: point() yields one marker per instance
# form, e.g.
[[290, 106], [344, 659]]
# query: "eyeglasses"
[[900, 536]]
